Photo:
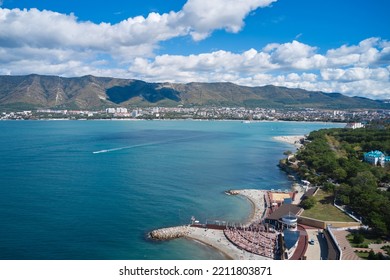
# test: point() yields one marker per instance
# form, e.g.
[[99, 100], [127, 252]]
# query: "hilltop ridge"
[[90, 92]]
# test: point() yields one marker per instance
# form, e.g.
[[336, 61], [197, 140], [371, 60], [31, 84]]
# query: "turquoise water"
[[93, 189]]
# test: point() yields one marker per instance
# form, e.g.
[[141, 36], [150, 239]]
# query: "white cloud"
[[364, 54], [203, 65], [293, 77], [330, 74], [309, 77], [355, 74], [46, 42], [291, 52], [133, 36], [206, 16], [278, 64], [295, 55]]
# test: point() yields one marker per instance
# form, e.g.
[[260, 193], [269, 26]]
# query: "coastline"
[[179, 198], [292, 140], [216, 238], [256, 199]]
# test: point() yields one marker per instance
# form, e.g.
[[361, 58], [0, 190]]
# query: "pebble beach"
[[293, 140], [216, 238]]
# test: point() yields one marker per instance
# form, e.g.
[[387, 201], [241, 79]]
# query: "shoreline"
[[292, 139], [256, 199], [178, 119], [215, 238]]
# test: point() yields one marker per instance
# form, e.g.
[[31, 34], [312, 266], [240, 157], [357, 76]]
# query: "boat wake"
[[143, 145], [124, 148], [109, 150]]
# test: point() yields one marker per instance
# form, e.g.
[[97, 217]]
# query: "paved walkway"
[[302, 245], [377, 248], [348, 251]]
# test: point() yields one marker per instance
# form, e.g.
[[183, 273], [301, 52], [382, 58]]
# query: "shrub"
[[308, 202], [358, 238]]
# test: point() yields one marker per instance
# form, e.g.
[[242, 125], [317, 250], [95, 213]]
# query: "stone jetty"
[[170, 233], [232, 192]]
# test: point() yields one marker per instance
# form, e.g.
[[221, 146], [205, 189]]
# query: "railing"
[[346, 212]]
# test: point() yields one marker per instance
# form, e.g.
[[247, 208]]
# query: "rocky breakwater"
[[170, 233], [232, 192]]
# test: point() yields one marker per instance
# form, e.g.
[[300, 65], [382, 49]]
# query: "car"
[[311, 241]]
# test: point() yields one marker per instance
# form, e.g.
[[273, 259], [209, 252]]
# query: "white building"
[[354, 125], [376, 157], [110, 110], [121, 110]]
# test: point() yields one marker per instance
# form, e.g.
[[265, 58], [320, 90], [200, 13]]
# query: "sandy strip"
[[293, 140], [256, 197], [217, 239]]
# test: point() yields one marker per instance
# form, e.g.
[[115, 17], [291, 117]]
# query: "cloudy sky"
[[327, 45]]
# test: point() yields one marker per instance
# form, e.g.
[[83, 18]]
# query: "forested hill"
[[89, 92], [333, 159]]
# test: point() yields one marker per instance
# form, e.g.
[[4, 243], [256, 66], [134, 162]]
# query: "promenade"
[[348, 252]]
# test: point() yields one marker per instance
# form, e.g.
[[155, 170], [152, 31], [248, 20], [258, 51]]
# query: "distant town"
[[204, 113]]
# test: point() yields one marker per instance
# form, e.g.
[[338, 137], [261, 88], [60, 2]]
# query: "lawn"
[[324, 209], [364, 244], [368, 238], [361, 254]]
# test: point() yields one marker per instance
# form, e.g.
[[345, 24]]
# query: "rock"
[[169, 233]]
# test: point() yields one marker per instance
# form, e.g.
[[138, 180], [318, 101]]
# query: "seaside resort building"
[[376, 158], [280, 233], [278, 236], [354, 125], [284, 219]]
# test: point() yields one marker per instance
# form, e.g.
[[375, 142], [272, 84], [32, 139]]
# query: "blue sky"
[[332, 46]]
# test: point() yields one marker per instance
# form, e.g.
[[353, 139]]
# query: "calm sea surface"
[[93, 189]]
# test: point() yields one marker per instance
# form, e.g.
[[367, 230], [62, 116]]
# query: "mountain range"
[[90, 92]]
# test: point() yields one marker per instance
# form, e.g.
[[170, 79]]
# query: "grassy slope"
[[325, 211]]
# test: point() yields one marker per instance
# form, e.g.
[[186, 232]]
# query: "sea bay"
[[93, 189]]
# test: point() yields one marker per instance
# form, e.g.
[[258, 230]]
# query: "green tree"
[[308, 202], [377, 223], [337, 154], [329, 187], [339, 174], [364, 180], [358, 238], [371, 255]]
